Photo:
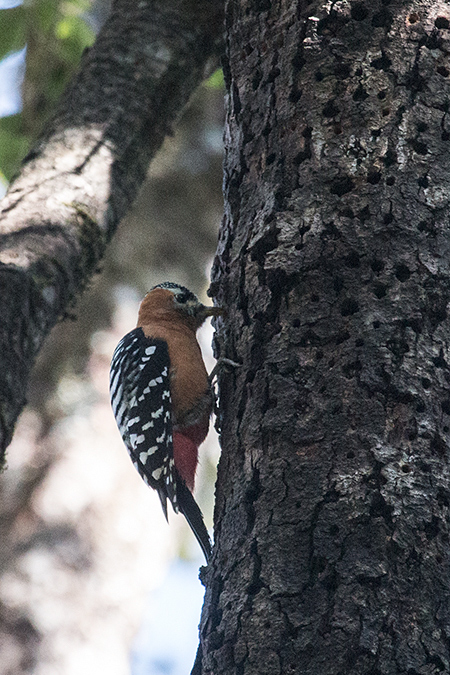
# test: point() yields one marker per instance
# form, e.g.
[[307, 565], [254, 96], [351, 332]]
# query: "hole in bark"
[[376, 324], [390, 180], [432, 528], [385, 112], [421, 127], [373, 177], [426, 383], [330, 231], [303, 229], [295, 95], [379, 508], [438, 445], [432, 42], [267, 243], [342, 70], [360, 94], [296, 323], [352, 260], [379, 291], [415, 324], [235, 98], [376, 133], [439, 361], [442, 70], [388, 218], [390, 157], [438, 310], [273, 74], [402, 272], [302, 156], [442, 22], [342, 337], [377, 265], [383, 63], [445, 405], [381, 95], [256, 80], [423, 182], [330, 109], [435, 659], [349, 307], [340, 186], [406, 468], [364, 214], [382, 19], [271, 158], [419, 147], [359, 12], [413, 18], [319, 76], [299, 61], [337, 129], [347, 213]]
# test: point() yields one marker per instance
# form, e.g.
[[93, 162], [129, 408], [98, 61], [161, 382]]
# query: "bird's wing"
[[142, 406]]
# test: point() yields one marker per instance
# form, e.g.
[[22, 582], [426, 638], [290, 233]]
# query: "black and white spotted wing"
[[142, 406]]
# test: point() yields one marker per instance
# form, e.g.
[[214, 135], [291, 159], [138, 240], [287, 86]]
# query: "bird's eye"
[[182, 297]]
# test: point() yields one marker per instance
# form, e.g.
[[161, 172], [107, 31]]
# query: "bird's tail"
[[191, 511]]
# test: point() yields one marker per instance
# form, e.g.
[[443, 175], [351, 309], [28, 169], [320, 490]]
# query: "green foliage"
[[56, 34], [13, 144], [215, 81], [12, 30]]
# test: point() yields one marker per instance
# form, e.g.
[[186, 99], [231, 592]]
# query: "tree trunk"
[[333, 495], [85, 171]]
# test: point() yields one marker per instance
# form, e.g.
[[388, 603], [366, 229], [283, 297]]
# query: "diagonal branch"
[[85, 170]]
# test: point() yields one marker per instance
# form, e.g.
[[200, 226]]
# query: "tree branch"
[[84, 172]]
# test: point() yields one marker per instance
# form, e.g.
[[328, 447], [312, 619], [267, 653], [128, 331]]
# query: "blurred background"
[[92, 579]]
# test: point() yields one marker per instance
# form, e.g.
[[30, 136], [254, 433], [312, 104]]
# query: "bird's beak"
[[212, 311]]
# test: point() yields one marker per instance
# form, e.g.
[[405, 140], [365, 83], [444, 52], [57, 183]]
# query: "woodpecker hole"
[[359, 11], [349, 306], [402, 272], [442, 22], [373, 177], [379, 291]]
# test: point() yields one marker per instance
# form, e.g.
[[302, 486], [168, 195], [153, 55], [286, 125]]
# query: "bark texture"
[[83, 174], [332, 510]]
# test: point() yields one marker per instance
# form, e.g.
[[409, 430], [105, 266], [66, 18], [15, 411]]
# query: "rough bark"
[[83, 174], [331, 552]]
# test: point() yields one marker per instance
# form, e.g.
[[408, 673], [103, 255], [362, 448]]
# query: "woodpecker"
[[162, 398]]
